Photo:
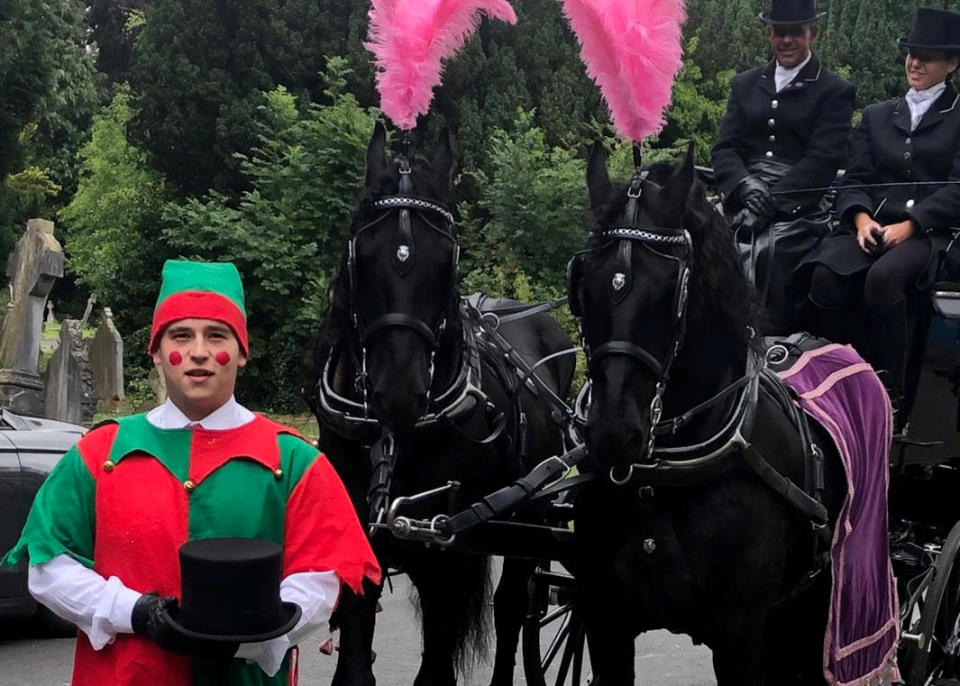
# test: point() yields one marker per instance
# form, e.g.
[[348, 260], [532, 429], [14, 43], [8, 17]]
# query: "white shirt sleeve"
[[316, 593], [100, 608]]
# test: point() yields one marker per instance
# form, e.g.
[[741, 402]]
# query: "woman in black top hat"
[[786, 128], [895, 230]]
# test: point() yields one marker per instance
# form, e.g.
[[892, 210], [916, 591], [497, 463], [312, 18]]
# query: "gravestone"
[[158, 385], [70, 394], [51, 318], [106, 358], [33, 267], [91, 301]]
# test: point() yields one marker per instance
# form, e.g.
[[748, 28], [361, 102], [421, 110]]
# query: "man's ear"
[[814, 32], [155, 356], [242, 360]]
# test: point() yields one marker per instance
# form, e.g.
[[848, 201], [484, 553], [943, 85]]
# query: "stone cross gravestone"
[[91, 301], [33, 267], [70, 394], [106, 358], [51, 318]]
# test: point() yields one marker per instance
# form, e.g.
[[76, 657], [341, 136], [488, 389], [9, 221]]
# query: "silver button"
[[771, 122], [910, 203], [772, 139], [909, 140], [769, 153], [907, 155], [775, 104]]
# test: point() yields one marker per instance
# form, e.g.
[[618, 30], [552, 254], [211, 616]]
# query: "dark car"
[[29, 449]]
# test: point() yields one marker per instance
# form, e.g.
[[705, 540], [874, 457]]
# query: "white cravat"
[[101, 607], [920, 101], [783, 76]]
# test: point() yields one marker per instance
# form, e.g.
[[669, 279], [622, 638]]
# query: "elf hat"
[[200, 290]]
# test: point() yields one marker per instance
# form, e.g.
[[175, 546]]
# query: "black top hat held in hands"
[[231, 591], [934, 29], [791, 12]]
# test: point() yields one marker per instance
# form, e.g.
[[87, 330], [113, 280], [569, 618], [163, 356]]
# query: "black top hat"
[[791, 12], [231, 591], [934, 30]]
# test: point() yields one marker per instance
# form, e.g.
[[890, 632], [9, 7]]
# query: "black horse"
[[402, 367], [677, 531]]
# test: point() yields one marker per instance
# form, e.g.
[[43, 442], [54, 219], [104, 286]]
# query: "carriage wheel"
[[554, 635], [931, 646]]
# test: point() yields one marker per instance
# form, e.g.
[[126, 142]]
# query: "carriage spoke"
[[568, 652], [578, 646], [556, 643], [561, 611]]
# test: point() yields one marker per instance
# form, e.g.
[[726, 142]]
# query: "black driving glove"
[[747, 221], [754, 195], [151, 619]]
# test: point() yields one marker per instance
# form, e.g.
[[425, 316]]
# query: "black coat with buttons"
[[807, 124], [885, 150]]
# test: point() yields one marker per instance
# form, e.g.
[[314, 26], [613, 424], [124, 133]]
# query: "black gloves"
[[151, 619], [754, 195], [748, 222]]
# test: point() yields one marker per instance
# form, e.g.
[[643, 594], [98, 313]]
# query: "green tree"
[[287, 232], [113, 242], [47, 95], [529, 217]]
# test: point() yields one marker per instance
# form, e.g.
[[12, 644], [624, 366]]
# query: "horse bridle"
[[627, 235], [403, 202]]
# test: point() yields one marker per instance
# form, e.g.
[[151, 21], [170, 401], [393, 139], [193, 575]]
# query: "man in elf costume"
[[103, 535]]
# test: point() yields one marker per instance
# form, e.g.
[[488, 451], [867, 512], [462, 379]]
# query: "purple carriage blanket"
[[843, 394]]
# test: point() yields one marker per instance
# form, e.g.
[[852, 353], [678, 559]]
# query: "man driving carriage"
[[895, 231], [786, 128]]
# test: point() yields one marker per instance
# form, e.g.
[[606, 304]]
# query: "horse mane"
[[722, 306]]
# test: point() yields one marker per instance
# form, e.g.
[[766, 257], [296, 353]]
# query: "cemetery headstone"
[[157, 385], [70, 394], [106, 358], [51, 318], [91, 301], [32, 268]]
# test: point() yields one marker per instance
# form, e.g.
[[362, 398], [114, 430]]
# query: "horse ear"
[[598, 180], [681, 180], [443, 162], [376, 160]]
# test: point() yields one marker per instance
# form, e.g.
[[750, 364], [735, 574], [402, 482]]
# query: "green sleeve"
[[62, 517]]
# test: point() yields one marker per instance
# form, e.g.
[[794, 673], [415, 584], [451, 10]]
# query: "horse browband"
[[646, 234], [406, 202]]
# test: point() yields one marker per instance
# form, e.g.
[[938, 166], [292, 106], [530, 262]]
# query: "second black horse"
[[678, 531]]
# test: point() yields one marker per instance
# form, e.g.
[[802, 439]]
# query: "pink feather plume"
[[409, 38], [633, 49]]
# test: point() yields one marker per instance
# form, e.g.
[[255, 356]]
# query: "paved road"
[[663, 659]]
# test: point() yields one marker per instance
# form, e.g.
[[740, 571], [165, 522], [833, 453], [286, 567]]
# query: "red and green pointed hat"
[[200, 290]]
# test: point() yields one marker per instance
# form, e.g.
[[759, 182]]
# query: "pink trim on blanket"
[[889, 665], [806, 357], [835, 378], [866, 641]]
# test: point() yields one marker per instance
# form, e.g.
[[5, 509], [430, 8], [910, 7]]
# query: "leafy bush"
[[286, 233]]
